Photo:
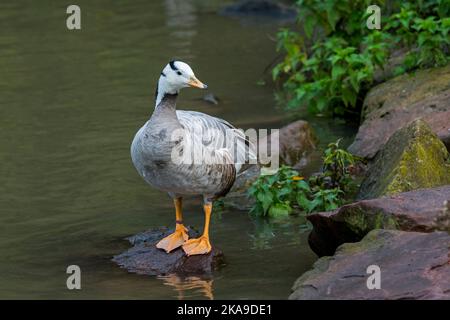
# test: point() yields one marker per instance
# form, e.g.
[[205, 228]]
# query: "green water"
[[70, 104]]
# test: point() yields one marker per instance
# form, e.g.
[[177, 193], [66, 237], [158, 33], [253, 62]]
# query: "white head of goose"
[[154, 146], [176, 77]]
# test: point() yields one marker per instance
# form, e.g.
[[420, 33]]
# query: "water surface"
[[70, 104]]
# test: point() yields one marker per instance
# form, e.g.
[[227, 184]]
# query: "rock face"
[[145, 258], [397, 102], [420, 210], [413, 158], [297, 142], [413, 266]]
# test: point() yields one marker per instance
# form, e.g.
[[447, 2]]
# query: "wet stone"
[[144, 258]]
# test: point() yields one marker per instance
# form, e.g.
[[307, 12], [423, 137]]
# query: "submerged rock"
[[413, 265], [211, 98], [413, 158], [397, 102], [260, 8], [145, 258], [420, 210]]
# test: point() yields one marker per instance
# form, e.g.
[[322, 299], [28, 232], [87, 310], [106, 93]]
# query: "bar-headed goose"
[[187, 153]]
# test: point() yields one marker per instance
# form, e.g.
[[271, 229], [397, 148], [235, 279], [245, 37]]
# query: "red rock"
[[397, 102], [416, 210], [412, 265]]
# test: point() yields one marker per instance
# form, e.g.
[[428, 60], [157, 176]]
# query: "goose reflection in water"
[[184, 285]]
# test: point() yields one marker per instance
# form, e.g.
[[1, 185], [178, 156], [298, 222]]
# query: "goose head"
[[175, 76]]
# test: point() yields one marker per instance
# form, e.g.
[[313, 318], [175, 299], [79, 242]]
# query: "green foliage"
[[428, 38], [277, 194], [330, 69], [274, 194], [336, 164]]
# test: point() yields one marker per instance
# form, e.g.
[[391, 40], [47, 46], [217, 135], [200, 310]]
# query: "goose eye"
[[179, 73]]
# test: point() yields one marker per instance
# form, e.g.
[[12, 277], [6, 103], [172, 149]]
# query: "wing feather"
[[220, 136]]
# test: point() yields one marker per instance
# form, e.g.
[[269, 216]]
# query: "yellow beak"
[[195, 83]]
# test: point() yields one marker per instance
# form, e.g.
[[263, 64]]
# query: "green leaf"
[[333, 17], [337, 71], [302, 201], [265, 198], [354, 82], [309, 24], [284, 191], [303, 185], [422, 38], [321, 103], [279, 209], [315, 205]]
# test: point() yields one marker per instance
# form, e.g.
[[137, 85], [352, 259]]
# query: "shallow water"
[[70, 104]]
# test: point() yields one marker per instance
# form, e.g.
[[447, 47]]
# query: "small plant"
[[336, 165], [326, 199], [275, 194], [278, 194], [317, 199]]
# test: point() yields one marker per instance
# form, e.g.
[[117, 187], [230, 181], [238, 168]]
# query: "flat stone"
[[145, 258], [420, 210], [413, 265]]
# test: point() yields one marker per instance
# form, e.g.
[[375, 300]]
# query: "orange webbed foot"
[[197, 246], [175, 240]]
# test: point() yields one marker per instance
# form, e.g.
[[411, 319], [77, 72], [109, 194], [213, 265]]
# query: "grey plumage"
[[154, 145]]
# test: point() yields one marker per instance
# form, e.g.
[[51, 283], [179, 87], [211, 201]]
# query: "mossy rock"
[[413, 158], [424, 94]]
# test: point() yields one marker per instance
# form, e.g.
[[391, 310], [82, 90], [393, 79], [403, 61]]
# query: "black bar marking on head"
[[172, 65], [163, 74]]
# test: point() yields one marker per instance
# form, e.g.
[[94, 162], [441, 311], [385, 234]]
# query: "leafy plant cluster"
[[278, 194], [334, 63]]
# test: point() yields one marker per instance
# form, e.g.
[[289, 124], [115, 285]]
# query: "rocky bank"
[[420, 210], [399, 101], [412, 265], [405, 200]]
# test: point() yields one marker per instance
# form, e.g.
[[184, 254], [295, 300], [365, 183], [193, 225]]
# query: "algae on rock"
[[413, 158]]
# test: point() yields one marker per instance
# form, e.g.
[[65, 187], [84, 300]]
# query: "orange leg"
[[180, 235], [200, 245]]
